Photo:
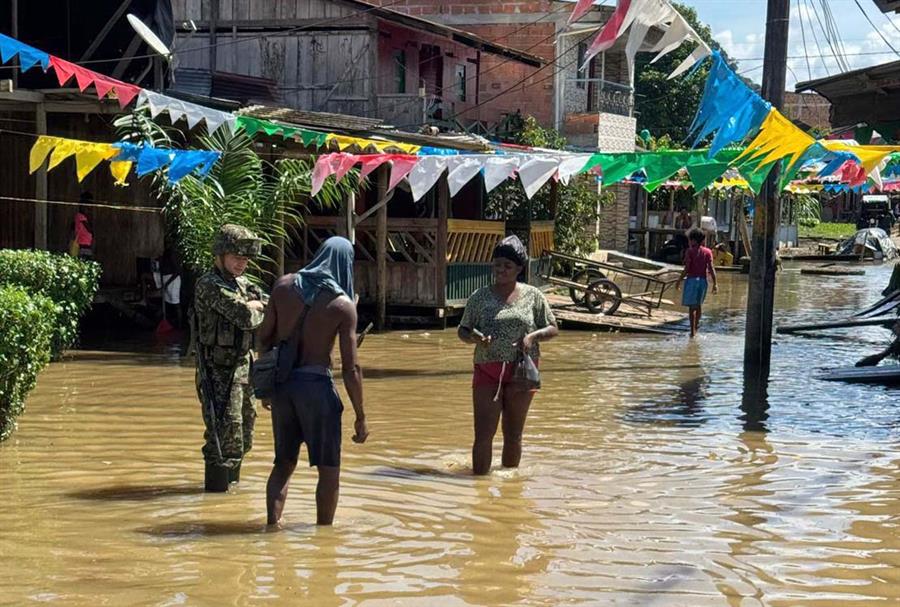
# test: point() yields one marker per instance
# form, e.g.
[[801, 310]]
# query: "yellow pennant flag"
[[120, 170], [778, 138], [343, 142], [39, 151], [89, 155], [64, 148], [870, 156]]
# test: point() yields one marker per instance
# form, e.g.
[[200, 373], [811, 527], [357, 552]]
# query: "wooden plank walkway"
[[627, 319]]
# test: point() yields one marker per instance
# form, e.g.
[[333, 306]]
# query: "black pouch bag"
[[526, 372], [273, 367]]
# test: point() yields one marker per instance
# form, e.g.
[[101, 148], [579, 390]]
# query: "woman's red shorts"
[[493, 374]]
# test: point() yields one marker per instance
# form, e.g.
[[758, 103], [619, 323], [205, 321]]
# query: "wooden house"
[[339, 56]]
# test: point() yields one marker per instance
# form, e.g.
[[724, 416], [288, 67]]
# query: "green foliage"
[[806, 210], [578, 201], [266, 197], [667, 107], [68, 281], [832, 231], [26, 330]]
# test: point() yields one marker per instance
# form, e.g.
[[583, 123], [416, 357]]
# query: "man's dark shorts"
[[307, 409]]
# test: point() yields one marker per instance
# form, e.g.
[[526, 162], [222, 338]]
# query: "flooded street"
[[639, 484]]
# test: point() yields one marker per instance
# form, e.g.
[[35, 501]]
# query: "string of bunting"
[[638, 17], [122, 156]]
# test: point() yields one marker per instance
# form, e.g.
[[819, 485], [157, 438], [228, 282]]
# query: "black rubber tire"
[[583, 276], [603, 297]]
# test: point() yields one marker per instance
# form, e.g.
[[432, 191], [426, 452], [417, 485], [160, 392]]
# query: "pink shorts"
[[493, 374]]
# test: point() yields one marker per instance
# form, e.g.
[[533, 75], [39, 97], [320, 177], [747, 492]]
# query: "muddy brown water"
[[639, 484]]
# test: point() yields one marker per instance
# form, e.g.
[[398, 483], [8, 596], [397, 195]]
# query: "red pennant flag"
[[85, 78], [607, 36], [580, 10]]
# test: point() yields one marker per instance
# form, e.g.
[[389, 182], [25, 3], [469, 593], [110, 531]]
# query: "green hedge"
[[27, 326], [70, 282]]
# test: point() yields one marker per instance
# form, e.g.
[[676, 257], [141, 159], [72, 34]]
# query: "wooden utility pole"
[[761, 293], [381, 234], [40, 186]]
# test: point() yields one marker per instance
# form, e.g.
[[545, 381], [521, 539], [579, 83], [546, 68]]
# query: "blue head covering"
[[330, 270]]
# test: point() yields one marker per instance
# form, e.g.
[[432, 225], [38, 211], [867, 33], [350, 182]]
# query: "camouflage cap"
[[237, 240]]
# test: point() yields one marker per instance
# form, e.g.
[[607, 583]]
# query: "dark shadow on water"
[[135, 493], [407, 373], [416, 472], [188, 530], [755, 406], [684, 408]]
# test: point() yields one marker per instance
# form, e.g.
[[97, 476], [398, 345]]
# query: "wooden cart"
[[603, 287]]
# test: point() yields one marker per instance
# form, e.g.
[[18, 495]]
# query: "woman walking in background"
[[505, 321]]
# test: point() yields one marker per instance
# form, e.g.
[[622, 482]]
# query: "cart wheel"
[[603, 297], [584, 276]]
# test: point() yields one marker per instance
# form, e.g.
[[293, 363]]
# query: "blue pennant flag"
[[186, 161], [28, 56], [729, 108], [152, 159]]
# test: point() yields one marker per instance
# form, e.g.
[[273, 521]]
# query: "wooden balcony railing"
[[472, 241]]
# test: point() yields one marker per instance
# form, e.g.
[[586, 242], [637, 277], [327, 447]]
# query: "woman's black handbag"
[[273, 367], [526, 372]]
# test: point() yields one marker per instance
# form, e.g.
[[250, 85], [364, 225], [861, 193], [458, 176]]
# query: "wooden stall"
[[431, 265]]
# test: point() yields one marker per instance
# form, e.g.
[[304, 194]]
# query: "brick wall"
[[510, 23], [614, 220]]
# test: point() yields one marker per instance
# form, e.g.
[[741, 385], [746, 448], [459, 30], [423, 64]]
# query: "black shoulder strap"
[[294, 341]]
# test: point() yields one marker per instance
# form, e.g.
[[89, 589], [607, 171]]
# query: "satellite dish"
[[149, 37]]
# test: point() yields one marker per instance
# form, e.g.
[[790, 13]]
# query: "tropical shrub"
[[579, 201], [27, 326], [69, 282], [243, 188]]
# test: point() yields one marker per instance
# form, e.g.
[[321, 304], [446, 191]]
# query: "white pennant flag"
[[698, 54], [536, 172], [571, 165], [462, 170], [655, 13], [498, 169], [678, 32], [193, 113], [425, 174]]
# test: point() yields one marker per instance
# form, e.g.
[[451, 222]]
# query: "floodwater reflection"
[[649, 477]]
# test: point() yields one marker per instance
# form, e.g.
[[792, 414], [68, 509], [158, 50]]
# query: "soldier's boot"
[[216, 480], [234, 474]]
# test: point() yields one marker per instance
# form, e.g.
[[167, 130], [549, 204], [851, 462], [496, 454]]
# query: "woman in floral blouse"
[[503, 320]]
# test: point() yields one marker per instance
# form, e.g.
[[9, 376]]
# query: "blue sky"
[[739, 26]]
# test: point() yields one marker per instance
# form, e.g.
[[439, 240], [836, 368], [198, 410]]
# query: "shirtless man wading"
[[318, 301]]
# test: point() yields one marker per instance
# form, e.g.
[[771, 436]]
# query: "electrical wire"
[[805, 49], [808, 4], [825, 32], [874, 27]]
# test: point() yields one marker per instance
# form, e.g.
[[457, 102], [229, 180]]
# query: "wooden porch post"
[[350, 217], [381, 251], [440, 250], [671, 215], [40, 185]]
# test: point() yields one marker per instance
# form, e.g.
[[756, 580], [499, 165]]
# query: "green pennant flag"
[[659, 166], [702, 175], [310, 138], [755, 175], [250, 125]]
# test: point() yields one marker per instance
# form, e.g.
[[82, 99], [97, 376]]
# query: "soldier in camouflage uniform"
[[227, 309]]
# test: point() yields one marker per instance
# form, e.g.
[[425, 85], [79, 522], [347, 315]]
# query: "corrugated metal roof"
[[365, 127], [316, 120]]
